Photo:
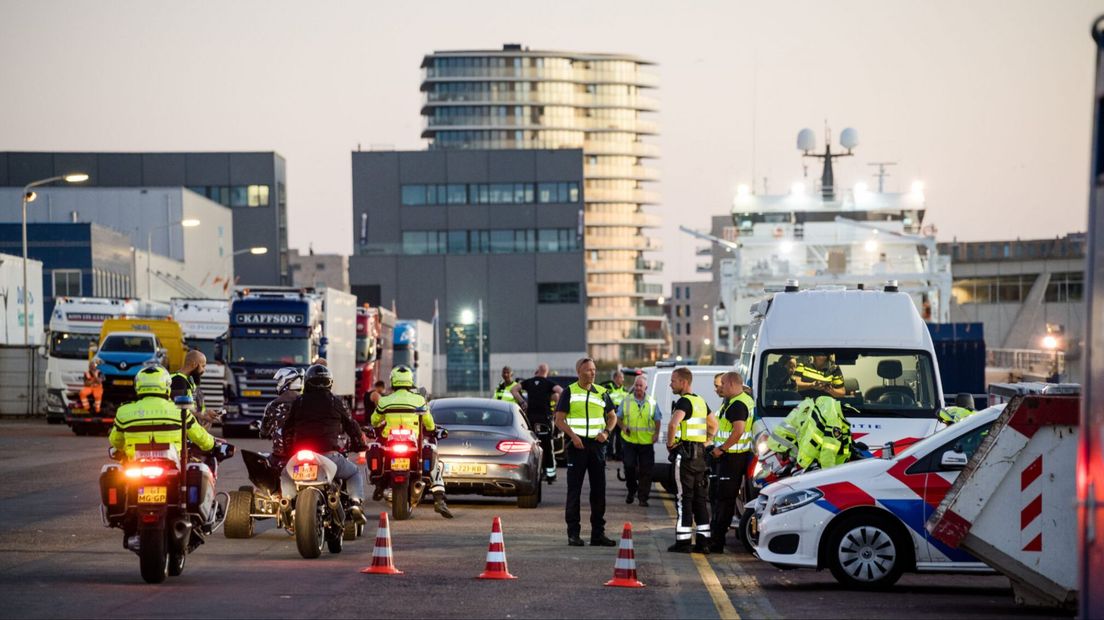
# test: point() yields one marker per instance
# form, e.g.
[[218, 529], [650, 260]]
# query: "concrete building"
[[319, 270], [1016, 289], [442, 231], [253, 185], [183, 261], [689, 311], [515, 98]]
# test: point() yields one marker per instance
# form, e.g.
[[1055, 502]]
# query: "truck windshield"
[[127, 344], [365, 349], [270, 351], [875, 383], [207, 347], [70, 346]]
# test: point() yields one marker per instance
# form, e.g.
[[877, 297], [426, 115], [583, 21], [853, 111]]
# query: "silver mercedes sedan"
[[489, 451]]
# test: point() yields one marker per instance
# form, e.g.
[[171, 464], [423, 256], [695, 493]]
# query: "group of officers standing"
[[600, 422]]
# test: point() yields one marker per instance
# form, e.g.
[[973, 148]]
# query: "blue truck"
[[273, 328]]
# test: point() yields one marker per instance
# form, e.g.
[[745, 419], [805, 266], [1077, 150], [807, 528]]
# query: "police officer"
[[821, 375], [617, 393], [638, 418], [692, 425], [585, 414], [317, 420], [505, 390], [405, 406], [185, 382], [962, 409], [540, 395], [153, 418], [731, 456]]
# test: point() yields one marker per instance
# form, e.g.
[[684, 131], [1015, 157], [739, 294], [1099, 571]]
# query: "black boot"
[[702, 546], [440, 506], [682, 546]]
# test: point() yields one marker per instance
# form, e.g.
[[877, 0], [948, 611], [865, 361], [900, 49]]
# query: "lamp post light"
[[185, 223], [29, 196]]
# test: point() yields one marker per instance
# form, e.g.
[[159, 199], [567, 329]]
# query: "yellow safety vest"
[[617, 394], [586, 414], [811, 374], [639, 420], [954, 415], [154, 420], [505, 392], [402, 408], [724, 427], [693, 426]]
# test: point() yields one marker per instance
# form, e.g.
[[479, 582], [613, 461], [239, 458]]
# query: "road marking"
[[725, 609]]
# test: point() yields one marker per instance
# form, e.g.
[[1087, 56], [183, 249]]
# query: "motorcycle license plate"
[[306, 471], [251, 392], [464, 469], [400, 464], [153, 495], [124, 382]]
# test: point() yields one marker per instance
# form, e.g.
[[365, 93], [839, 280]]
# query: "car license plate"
[[400, 464], [306, 471], [465, 469], [153, 495], [124, 382], [251, 392]]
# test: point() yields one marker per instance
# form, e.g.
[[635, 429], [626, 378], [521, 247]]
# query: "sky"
[[987, 102]]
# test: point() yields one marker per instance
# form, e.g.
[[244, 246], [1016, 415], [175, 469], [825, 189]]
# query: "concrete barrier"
[[22, 381]]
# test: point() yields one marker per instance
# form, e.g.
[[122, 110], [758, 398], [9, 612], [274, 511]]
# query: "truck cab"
[[374, 329]]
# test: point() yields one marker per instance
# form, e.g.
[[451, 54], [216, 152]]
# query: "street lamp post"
[[480, 319], [29, 196], [186, 223]]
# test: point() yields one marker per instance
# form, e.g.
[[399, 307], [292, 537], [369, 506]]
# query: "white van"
[[877, 341], [659, 388]]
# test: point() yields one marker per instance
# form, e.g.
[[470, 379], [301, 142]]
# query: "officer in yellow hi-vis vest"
[[638, 418], [585, 414], [153, 418], [505, 390], [731, 454], [692, 425]]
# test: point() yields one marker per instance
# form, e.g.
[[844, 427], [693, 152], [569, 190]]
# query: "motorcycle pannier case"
[[113, 491]]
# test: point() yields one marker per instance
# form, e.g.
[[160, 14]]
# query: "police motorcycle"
[[166, 497], [402, 464]]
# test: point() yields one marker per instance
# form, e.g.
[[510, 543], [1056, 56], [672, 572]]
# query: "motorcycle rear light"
[[150, 517], [149, 471], [400, 448], [510, 446], [304, 455]]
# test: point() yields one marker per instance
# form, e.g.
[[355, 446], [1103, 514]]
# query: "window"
[[67, 282], [1065, 287], [557, 292], [457, 242], [966, 444], [565, 192], [239, 196], [423, 242], [413, 195], [504, 241], [258, 195]]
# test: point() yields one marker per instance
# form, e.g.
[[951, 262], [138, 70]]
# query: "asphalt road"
[[57, 560]]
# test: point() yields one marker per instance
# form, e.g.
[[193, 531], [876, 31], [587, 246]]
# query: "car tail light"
[[514, 446], [304, 455]]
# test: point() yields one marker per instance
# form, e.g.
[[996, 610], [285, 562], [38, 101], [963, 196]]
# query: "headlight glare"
[[797, 499]]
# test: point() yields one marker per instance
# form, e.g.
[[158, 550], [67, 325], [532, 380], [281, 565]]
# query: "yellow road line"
[[724, 606]]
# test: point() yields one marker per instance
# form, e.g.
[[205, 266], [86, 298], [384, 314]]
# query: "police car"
[[864, 520]]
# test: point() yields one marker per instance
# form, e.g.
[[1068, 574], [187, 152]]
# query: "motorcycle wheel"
[[400, 501], [309, 534], [238, 522], [153, 555], [176, 563]]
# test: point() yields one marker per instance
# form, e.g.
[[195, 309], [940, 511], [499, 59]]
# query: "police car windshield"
[[270, 351], [876, 383], [466, 416], [127, 344], [71, 346]]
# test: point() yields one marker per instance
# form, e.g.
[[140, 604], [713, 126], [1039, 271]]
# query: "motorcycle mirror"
[[443, 434]]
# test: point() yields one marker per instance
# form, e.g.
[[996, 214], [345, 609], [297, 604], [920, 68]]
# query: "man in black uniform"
[[316, 422], [692, 425], [185, 382], [730, 455], [540, 392]]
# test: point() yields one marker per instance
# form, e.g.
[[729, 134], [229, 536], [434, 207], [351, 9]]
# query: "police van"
[[871, 348]]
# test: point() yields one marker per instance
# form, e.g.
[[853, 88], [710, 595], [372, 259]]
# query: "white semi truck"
[[204, 321]]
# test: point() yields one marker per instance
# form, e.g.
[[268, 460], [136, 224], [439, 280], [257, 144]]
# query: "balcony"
[[638, 266], [638, 220], [640, 312], [557, 74], [577, 99], [637, 196], [639, 149], [642, 173], [614, 242]]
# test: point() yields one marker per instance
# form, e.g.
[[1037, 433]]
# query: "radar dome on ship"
[[806, 140], [849, 138]]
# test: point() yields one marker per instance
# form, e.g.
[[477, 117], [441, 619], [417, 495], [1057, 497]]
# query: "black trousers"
[[639, 462], [544, 429], [691, 501], [615, 446], [730, 475], [590, 461]]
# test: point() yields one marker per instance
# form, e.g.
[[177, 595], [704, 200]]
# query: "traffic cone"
[[624, 570], [382, 564], [496, 555]]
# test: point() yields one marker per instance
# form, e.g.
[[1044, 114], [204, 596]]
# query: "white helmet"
[[288, 378]]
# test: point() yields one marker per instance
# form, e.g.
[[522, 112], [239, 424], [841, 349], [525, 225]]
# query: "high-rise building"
[[515, 98]]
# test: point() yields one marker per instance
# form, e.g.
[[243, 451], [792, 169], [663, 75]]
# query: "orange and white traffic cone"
[[382, 563], [496, 555], [624, 570]]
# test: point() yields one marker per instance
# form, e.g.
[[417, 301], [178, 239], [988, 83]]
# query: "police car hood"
[[853, 471]]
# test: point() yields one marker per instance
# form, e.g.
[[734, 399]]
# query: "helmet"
[[152, 380], [965, 400], [288, 378], [317, 377], [402, 377]]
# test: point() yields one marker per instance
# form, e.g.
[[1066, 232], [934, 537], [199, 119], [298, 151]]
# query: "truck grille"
[[251, 403], [213, 396]]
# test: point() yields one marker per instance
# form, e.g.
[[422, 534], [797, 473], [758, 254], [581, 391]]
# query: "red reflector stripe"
[[1031, 472], [112, 496]]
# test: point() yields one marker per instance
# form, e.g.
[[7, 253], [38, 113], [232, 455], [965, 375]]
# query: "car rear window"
[[471, 416]]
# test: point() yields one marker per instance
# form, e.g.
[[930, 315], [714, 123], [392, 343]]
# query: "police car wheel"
[[866, 552]]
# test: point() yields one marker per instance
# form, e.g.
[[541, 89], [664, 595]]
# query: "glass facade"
[[462, 353], [497, 241], [490, 193], [234, 195], [521, 99]]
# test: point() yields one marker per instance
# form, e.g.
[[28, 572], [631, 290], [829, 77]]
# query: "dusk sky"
[[989, 103]]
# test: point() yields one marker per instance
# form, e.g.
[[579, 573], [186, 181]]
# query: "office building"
[[253, 185], [515, 98], [690, 319], [439, 233], [319, 270]]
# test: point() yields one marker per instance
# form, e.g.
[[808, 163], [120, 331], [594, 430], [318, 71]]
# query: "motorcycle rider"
[[289, 384], [316, 421], [406, 406]]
